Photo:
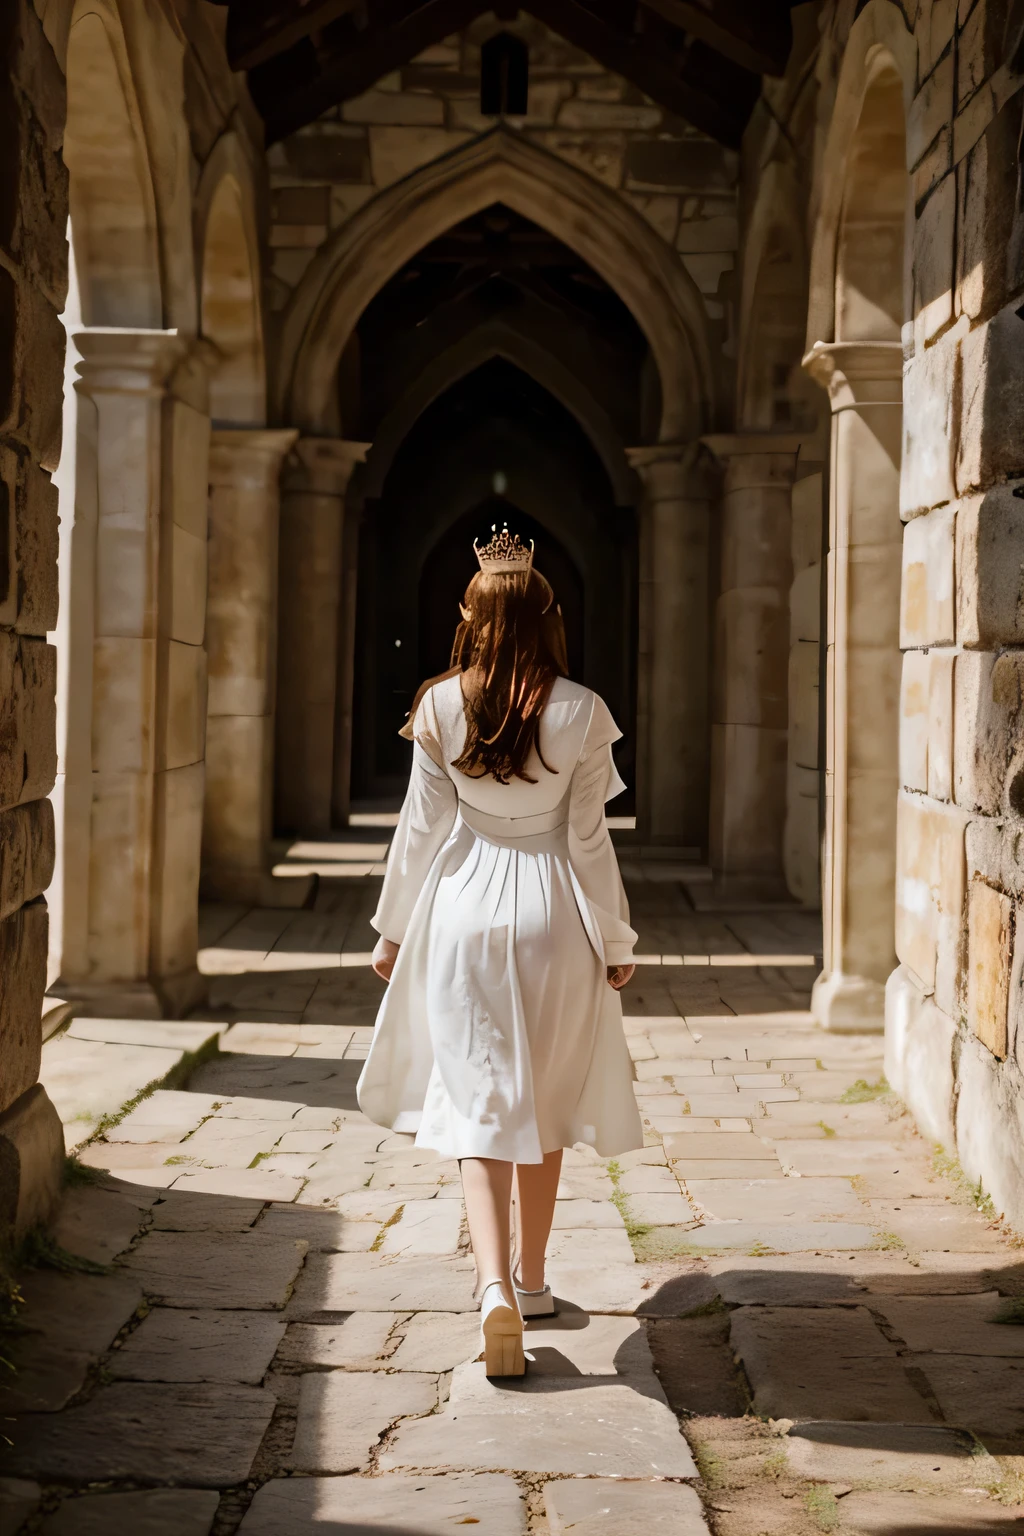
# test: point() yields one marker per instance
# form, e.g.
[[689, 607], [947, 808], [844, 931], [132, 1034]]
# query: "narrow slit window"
[[504, 76]]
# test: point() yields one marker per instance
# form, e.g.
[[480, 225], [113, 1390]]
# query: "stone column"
[[107, 961], [672, 692], [315, 481], [751, 662], [245, 467], [864, 383]]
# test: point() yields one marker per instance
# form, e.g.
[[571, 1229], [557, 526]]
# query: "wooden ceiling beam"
[[258, 31], [755, 34]]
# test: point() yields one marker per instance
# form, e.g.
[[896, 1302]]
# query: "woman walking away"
[[505, 937]]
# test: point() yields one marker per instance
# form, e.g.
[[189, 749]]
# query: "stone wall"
[[33, 279], [682, 182]]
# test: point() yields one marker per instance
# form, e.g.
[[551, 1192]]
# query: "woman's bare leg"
[[536, 1189], [487, 1187]]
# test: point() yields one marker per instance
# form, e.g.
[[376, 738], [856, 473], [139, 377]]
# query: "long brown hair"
[[511, 645]]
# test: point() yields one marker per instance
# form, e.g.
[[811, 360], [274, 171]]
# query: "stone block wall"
[[33, 278], [682, 182]]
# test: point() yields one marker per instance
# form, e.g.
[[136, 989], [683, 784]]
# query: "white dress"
[[499, 1035]]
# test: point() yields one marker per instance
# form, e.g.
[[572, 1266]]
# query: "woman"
[[504, 936]]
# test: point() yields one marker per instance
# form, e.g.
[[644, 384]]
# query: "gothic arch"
[[228, 264], [499, 167], [497, 339], [879, 43]]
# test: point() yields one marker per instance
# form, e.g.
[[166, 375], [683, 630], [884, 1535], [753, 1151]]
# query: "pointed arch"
[[496, 339], [230, 309], [595, 222]]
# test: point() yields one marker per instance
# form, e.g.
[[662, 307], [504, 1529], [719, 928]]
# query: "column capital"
[[728, 445], [127, 362], [248, 455], [672, 471], [857, 373], [756, 458], [324, 464]]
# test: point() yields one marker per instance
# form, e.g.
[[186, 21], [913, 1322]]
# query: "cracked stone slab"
[[953, 1325], [425, 1227], [983, 1394], [922, 1456], [600, 1506], [400, 1506], [883, 1514], [368, 1282], [437, 1341], [244, 1270], [357, 1343], [821, 1363], [18, 1500], [71, 1320], [203, 1436], [172, 1344], [251, 1183], [148, 1512], [180, 1211], [97, 1222], [578, 1424], [342, 1417]]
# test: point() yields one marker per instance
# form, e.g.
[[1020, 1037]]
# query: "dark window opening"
[[504, 76]]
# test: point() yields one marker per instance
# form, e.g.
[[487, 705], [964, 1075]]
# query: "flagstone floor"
[[777, 1319]]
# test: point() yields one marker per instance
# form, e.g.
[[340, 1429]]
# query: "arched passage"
[[862, 370]]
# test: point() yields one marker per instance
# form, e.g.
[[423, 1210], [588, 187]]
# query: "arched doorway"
[[862, 370]]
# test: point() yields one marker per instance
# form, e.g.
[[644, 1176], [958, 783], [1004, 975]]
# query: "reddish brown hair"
[[512, 646]]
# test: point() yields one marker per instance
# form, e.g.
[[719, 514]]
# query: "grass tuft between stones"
[[822, 1507], [967, 1190], [863, 1092]]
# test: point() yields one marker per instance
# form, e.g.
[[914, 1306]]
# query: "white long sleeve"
[[595, 780], [428, 815]]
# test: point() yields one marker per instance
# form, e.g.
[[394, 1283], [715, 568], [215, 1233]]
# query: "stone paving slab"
[[589, 1213], [661, 1208], [776, 1200], [19, 1498], [960, 1325], [922, 1456], [569, 1425], [934, 1225], [695, 1366], [342, 1417], [70, 1320], [179, 1211], [148, 1512], [718, 1144], [425, 1227], [818, 1158], [612, 1287], [247, 1270], [203, 1436], [244, 1183], [87, 1079], [599, 1506], [581, 1246], [782, 1237], [592, 1346], [823, 1364], [357, 1344], [436, 1341], [982, 1394], [725, 1168], [387, 1506], [98, 1222], [366, 1282], [172, 1344], [903, 1514]]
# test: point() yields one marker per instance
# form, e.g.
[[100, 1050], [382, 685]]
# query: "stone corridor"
[[779, 1318]]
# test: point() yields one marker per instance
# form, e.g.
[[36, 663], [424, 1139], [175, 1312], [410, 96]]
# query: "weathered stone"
[[992, 412], [203, 1435], [31, 1161], [661, 1209], [591, 1213], [720, 1144], [778, 1236], [575, 1343], [833, 1158], [365, 1282], [989, 612], [97, 1223], [929, 894], [929, 438], [989, 957], [982, 1394], [693, 165], [179, 1211], [436, 1341], [22, 981], [600, 1507], [359, 1343], [241, 1182], [962, 1325], [924, 1456], [928, 594], [580, 1247], [694, 1364], [195, 1345], [919, 1056], [89, 1079], [880, 1514], [327, 154], [726, 1168], [823, 1365], [425, 1227], [18, 1500], [408, 1506], [26, 854], [245, 1270], [342, 1417], [148, 1512], [771, 1200]]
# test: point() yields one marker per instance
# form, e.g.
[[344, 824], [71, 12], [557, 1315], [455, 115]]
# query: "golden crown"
[[506, 552]]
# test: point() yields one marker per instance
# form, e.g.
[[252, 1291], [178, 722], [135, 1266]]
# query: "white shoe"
[[536, 1303], [501, 1332]]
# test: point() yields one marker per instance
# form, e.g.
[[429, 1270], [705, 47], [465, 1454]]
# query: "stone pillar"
[[749, 716], [672, 691], [107, 962], [864, 383], [245, 466], [315, 481]]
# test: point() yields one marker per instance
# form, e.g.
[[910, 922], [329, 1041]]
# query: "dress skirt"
[[499, 1035]]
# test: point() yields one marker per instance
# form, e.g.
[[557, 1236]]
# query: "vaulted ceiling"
[[700, 59]]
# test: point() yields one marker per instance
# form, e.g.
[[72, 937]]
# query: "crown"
[[505, 552]]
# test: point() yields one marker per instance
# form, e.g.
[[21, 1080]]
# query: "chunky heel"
[[501, 1333]]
